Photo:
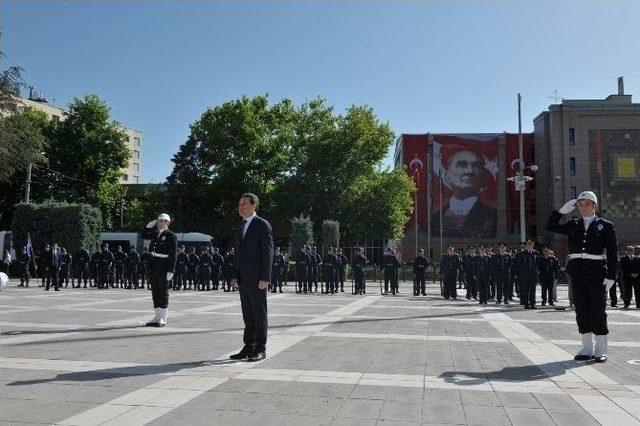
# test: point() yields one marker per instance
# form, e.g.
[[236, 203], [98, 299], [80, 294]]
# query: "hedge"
[[69, 225]]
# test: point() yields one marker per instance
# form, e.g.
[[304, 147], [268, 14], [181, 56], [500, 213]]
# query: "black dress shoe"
[[243, 354], [257, 356], [602, 358], [151, 324], [583, 357]]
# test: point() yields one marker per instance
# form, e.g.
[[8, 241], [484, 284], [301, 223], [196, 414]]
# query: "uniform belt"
[[160, 255], [587, 256]]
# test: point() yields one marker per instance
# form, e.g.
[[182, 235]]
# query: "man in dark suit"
[[54, 264], [252, 275], [162, 266]]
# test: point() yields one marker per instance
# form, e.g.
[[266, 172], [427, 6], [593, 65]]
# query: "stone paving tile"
[[196, 338]]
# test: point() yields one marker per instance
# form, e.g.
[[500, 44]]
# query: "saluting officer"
[[162, 247], [593, 263]]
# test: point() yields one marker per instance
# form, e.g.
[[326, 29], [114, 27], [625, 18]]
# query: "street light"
[[520, 180]]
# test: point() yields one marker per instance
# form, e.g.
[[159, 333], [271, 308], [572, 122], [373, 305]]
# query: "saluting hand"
[[568, 206]]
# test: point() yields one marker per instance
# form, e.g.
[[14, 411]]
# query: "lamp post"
[[520, 178]]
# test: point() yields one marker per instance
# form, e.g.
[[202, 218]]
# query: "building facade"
[[131, 174], [590, 144], [464, 197]]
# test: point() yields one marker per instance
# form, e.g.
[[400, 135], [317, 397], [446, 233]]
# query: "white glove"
[[169, 276], [568, 206], [608, 283], [151, 224]]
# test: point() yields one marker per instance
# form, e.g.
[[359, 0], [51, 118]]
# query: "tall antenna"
[[554, 95]]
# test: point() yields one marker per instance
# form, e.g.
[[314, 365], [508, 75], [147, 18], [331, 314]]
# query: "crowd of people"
[[484, 273]]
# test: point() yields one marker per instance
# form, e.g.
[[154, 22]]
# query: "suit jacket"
[[254, 253]]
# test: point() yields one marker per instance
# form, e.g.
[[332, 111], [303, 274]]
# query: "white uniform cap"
[[164, 216], [588, 195]]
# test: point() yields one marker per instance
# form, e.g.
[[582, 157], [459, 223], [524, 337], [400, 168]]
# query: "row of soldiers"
[[204, 270], [330, 269], [493, 275]]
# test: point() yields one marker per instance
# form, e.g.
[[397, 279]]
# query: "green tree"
[[239, 146], [330, 234], [86, 153], [301, 233], [378, 205]]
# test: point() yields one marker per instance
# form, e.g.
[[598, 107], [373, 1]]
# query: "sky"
[[428, 66]]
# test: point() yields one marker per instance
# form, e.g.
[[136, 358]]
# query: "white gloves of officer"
[[608, 283], [151, 224], [568, 206], [169, 276]]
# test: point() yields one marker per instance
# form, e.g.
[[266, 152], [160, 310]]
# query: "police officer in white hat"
[[162, 266], [592, 266]]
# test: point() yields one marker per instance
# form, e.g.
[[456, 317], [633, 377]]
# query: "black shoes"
[[243, 354], [250, 354], [583, 357], [257, 356]]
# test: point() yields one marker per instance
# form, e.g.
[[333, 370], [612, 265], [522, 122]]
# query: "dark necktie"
[[242, 228]]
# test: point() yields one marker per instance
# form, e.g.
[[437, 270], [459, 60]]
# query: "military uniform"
[[420, 264], [629, 284], [192, 270], [359, 274], [548, 268], [104, 268], [468, 265], [527, 269], [163, 247], [276, 272], [23, 261], [593, 249], [330, 262], [65, 268], [229, 268], [343, 261], [119, 264], [180, 278], [450, 264], [83, 259], [131, 269], [312, 270], [483, 274], [501, 275], [217, 263], [302, 269], [204, 271], [390, 265], [145, 261]]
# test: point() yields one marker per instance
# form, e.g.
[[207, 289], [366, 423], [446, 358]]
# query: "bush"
[[301, 233], [69, 225], [330, 234]]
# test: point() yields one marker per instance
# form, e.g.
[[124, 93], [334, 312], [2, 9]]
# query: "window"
[[136, 141], [136, 154], [136, 167], [573, 193], [572, 136], [572, 166], [136, 179]]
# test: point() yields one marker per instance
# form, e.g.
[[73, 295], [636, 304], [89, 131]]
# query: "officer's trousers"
[[589, 295], [527, 289], [502, 288], [631, 287], [449, 286], [546, 284]]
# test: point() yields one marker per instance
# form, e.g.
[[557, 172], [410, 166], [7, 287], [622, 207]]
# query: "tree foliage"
[[330, 234], [304, 160], [301, 233]]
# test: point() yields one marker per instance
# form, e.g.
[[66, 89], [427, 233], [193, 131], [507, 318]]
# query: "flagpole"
[[440, 185], [428, 205]]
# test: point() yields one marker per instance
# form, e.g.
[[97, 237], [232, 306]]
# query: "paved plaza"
[[83, 357]]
